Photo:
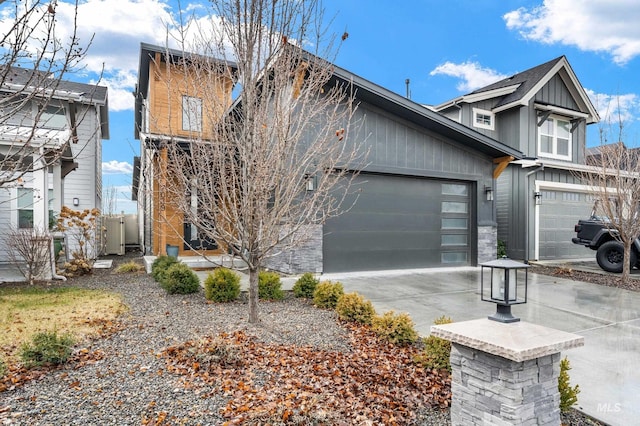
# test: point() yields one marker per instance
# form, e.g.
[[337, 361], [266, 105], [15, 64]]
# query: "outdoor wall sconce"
[[506, 286], [76, 201], [310, 182], [538, 197], [488, 192]]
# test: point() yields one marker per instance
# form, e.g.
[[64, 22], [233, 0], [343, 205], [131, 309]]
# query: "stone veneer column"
[[505, 374]]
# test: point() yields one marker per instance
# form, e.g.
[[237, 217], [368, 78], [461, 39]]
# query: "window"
[[25, 208], [483, 119], [554, 138], [191, 114], [53, 117]]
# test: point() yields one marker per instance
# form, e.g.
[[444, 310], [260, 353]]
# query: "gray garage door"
[[559, 212], [399, 223]]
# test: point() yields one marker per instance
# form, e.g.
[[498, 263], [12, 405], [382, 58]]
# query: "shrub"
[[568, 394], [46, 348], [354, 307], [131, 266], [395, 328], [326, 294], [222, 286], [269, 286], [437, 351], [180, 279], [305, 285], [160, 265], [502, 249]]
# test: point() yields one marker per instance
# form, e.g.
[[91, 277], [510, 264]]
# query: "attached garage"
[[559, 211], [402, 222]]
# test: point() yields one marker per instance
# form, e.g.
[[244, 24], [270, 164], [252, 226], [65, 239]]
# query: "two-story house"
[[542, 112], [57, 132], [171, 108]]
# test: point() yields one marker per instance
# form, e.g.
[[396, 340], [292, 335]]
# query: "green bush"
[[222, 286], [305, 286], [46, 348], [395, 328], [354, 307], [180, 279], [502, 249], [568, 394], [160, 265], [437, 351], [326, 294], [269, 286]]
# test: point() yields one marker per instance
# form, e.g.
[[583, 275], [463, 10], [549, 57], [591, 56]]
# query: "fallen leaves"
[[373, 383]]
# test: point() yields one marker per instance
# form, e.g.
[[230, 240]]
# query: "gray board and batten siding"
[[418, 202]]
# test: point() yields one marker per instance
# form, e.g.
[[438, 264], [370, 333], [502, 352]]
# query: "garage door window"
[[454, 207], [455, 223], [454, 240]]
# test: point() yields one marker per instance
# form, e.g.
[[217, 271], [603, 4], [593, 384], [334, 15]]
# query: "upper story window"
[[191, 114], [554, 138], [483, 119], [53, 117]]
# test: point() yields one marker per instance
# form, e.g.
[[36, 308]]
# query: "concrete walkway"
[[607, 368]]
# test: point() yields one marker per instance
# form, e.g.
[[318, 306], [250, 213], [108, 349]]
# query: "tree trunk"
[[626, 262], [253, 295]]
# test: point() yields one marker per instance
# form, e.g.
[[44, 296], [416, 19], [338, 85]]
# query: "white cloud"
[[608, 26], [116, 167], [472, 75], [617, 108]]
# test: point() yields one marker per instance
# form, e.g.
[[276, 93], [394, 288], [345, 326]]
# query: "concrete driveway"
[[607, 368]]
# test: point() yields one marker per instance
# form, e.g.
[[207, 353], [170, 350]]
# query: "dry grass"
[[28, 310]]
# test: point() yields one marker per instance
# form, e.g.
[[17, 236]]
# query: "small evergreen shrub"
[[395, 328], [46, 348], [180, 279], [437, 351], [269, 286], [502, 249], [568, 394], [354, 307], [222, 286], [129, 267], [326, 294], [305, 286], [160, 265]]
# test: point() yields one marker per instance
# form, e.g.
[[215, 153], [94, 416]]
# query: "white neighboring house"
[[74, 122]]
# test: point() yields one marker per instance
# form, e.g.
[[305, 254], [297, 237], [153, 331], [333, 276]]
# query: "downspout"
[[528, 214]]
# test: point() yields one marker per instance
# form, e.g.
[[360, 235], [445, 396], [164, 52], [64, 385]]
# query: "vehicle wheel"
[[610, 256]]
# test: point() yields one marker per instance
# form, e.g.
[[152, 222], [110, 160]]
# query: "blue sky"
[[446, 49]]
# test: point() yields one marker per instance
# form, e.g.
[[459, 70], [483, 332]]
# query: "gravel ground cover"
[[124, 378]]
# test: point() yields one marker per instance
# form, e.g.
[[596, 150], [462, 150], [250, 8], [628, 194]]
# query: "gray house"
[[72, 121], [542, 112], [424, 199]]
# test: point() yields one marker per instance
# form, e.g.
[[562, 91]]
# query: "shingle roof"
[[527, 80]]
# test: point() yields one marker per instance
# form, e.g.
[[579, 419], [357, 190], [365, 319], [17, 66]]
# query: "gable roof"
[[407, 109], [519, 89]]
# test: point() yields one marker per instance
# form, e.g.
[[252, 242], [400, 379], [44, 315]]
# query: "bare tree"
[[256, 176], [34, 61], [30, 251], [614, 182]]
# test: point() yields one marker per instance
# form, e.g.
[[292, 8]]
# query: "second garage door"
[[559, 213], [401, 222]]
